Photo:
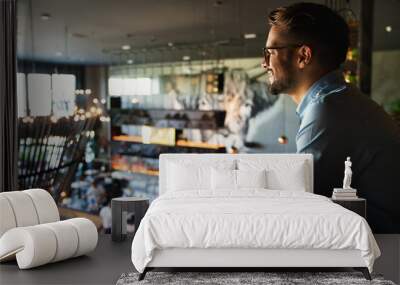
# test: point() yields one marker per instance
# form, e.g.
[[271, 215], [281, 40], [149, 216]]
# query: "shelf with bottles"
[[140, 135], [150, 142], [154, 151], [138, 165], [166, 118], [179, 143]]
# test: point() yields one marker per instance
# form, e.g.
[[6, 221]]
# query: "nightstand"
[[357, 205], [120, 208]]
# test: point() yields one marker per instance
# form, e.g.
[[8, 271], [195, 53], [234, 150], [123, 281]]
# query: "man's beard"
[[284, 84]]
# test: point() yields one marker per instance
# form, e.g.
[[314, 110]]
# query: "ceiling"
[[93, 31]]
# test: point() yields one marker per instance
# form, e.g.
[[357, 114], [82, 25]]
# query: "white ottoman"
[[31, 232]]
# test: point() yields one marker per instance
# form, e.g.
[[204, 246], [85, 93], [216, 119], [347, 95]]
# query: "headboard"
[[166, 157]]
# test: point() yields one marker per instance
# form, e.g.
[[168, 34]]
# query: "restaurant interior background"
[[105, 86]]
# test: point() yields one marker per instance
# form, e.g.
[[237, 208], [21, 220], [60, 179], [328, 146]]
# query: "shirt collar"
[[325, 85]]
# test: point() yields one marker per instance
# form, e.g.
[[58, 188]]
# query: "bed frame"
[[242, 259]]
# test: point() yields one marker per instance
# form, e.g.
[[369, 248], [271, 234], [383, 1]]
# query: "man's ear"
[[304, 56]]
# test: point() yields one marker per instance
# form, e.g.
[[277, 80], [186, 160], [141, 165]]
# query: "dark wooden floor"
[[103, 266], [110, 259]]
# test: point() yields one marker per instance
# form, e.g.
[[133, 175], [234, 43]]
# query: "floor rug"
[[244, 278]]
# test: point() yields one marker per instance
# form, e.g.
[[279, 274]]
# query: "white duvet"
[[253, 218]]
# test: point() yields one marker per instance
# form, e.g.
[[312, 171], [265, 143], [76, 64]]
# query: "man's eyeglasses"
[[267, 50]]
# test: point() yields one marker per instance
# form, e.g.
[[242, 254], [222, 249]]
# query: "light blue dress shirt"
[[337, 121], [310, 108]]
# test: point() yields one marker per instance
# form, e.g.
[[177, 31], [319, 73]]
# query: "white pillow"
[[251, 178], [291, 175], [292, 179], [182, 177], [223, 179], [186, 174]]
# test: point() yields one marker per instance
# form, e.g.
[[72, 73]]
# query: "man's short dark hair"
[[315, 25]]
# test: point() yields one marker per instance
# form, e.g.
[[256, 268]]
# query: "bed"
[[246, 211]]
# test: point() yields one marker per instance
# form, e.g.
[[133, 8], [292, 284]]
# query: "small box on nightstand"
[[357, 205]]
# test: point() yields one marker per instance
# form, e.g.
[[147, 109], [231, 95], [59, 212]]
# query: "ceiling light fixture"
[[45, 16], [79, 35], [170, 44], [283, 139], [129, 61], [218, 3], [250, 36], [186, 57], [388, 29], [126, 47]]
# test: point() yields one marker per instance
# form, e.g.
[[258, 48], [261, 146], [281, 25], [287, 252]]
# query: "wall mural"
[[242, 99], [237, 92]]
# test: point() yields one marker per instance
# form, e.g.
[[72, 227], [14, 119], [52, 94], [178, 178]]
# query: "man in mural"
[[305, 47], [243, 98], [238, 101]]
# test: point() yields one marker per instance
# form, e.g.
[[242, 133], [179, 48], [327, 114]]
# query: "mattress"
[[251, 219]]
